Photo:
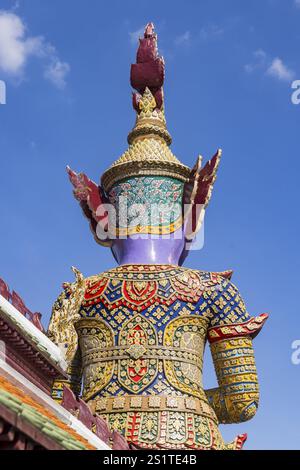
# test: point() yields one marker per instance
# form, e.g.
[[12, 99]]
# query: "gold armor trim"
[[127, 403], [137, 352], [95, 334], [186, 332]]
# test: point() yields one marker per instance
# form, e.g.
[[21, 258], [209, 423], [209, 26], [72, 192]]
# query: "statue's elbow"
[[241, 412], [249, 411]]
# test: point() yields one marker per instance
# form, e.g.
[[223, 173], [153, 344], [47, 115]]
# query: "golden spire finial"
[[150, 120], [147, 103], [149, 140]]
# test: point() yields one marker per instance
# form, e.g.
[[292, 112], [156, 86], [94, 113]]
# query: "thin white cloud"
[[135, 35], [17, 48], [279, 70], [260, 59], [211, 31], [260, 55], [275, 67], [16, 5], [206, 33], [297, 3], [183, 39], [56, 73]]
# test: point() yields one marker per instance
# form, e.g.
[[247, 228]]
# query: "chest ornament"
[[137, 371], [139, 290]]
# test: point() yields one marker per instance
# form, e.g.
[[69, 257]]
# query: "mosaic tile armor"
[[142, 332], [134, 336]]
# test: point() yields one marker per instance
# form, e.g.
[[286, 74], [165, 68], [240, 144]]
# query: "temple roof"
[[29, 417], [38, 341], [30, 411], [25, 411]]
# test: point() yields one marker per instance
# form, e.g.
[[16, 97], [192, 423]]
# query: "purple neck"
[[163, 250]]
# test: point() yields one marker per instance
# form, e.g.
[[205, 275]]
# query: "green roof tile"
[[41, 422]]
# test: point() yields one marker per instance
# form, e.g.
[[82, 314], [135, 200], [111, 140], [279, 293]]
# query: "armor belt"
[[139, 351], [151, 403]]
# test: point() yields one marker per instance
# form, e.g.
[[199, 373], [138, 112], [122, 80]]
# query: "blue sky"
[[229, 71]]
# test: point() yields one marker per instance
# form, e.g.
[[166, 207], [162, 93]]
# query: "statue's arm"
[[62, 332], [73, 380], [236, 399]]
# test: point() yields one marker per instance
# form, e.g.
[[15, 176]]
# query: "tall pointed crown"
[[148, 155], [149, 140]]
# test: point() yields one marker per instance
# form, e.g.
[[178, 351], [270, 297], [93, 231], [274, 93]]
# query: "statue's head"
[[149, 206]]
